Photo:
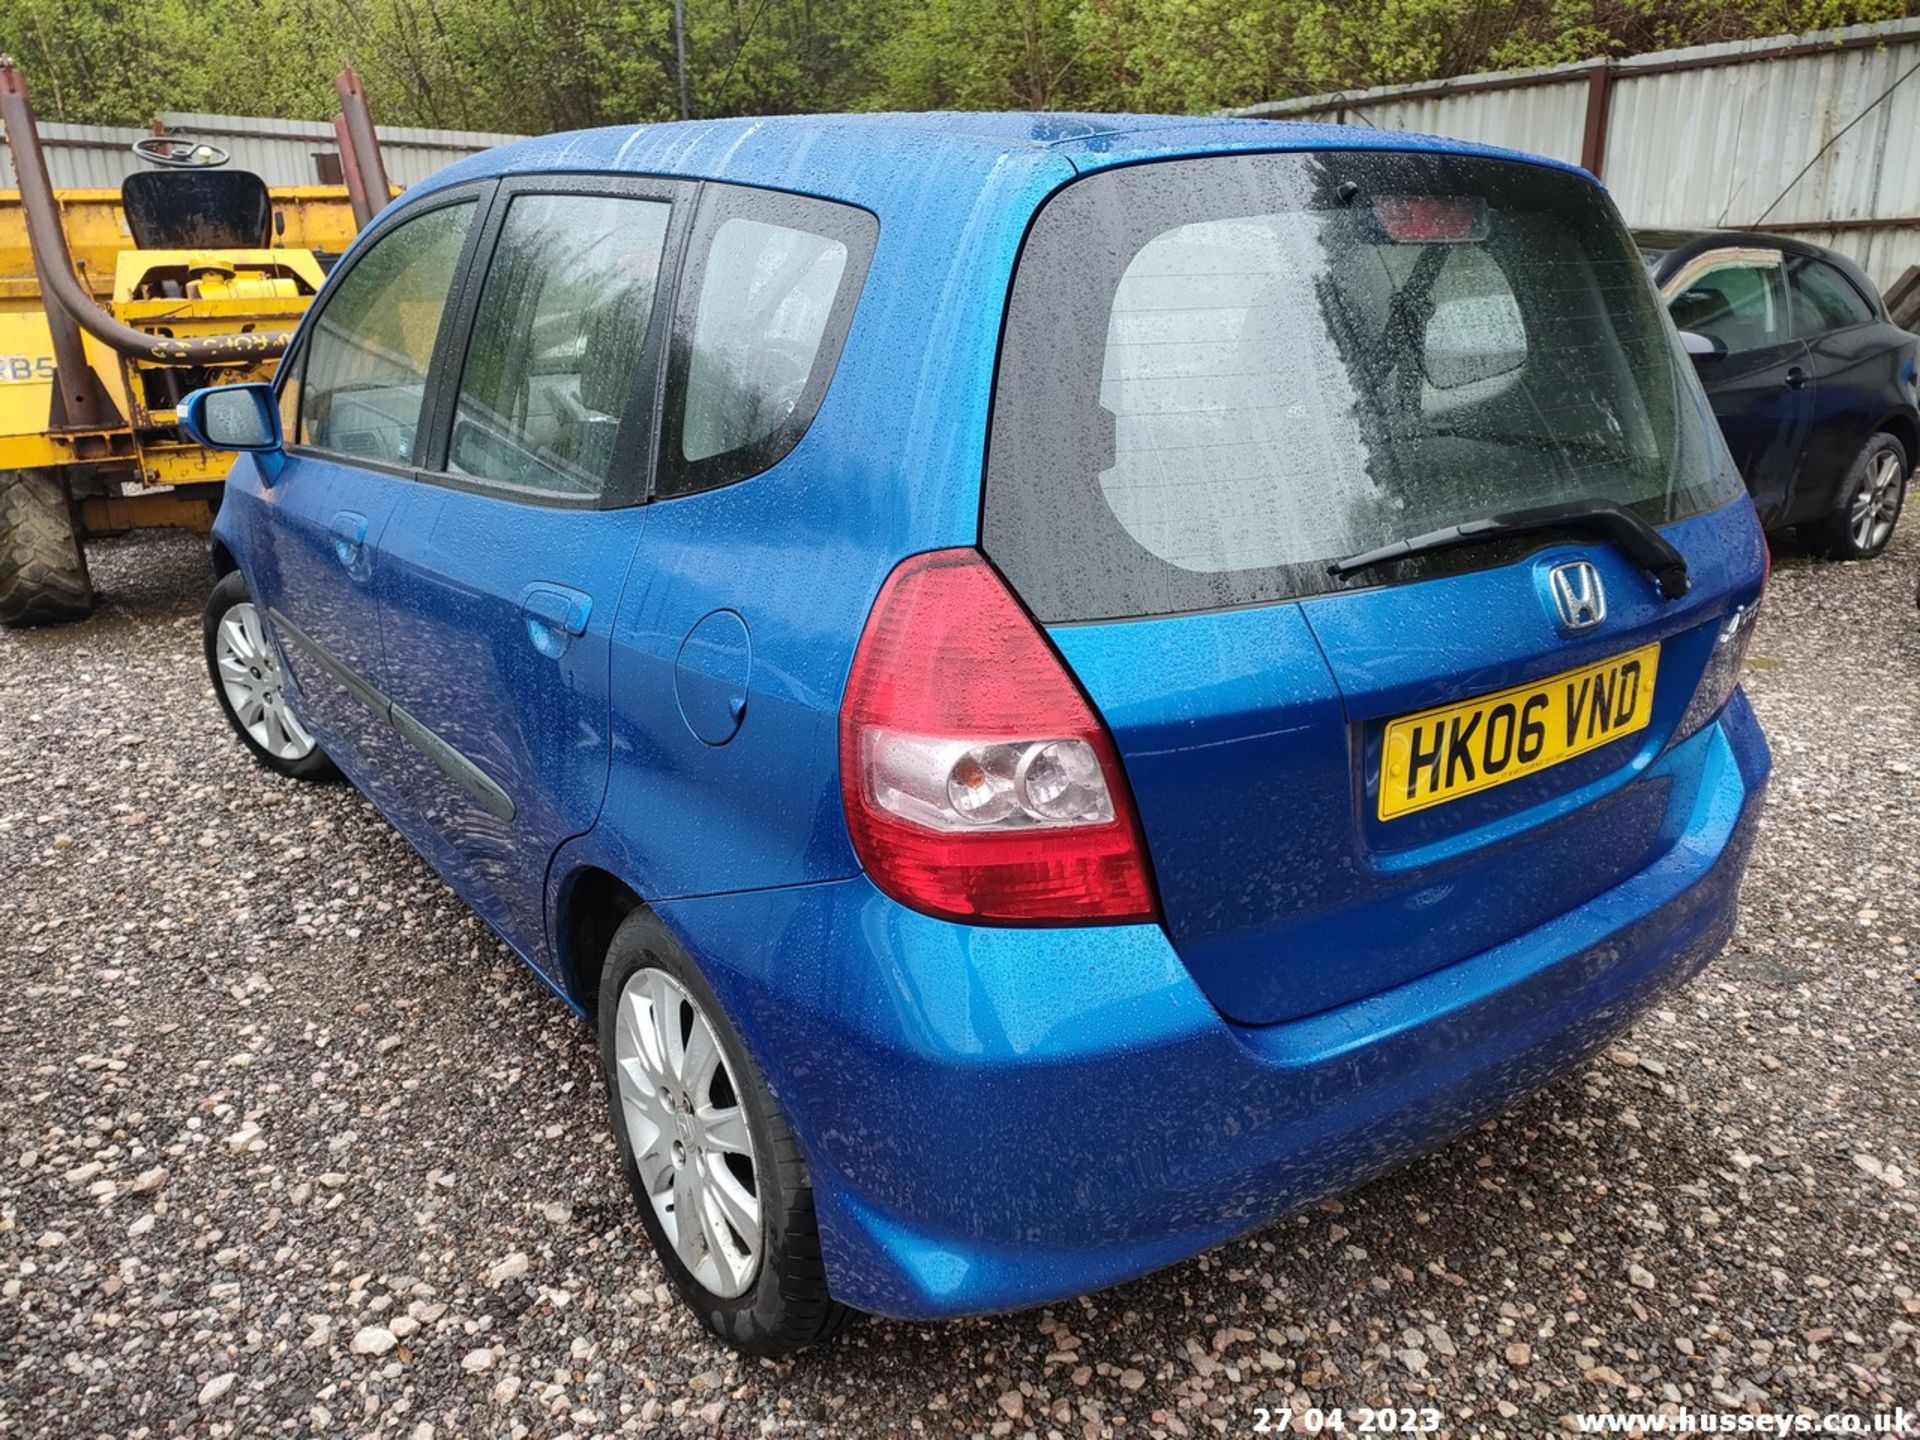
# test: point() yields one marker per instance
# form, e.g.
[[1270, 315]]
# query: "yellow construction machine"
[[113, 306]]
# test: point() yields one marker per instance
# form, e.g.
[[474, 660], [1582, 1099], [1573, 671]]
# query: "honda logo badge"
[[1578, 595]]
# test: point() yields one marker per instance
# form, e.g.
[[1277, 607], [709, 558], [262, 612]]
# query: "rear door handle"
[[1796, 378], [349, 531], [555, 617]]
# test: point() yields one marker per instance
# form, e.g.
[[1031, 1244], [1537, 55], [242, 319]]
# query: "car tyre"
[[250, 686], [1869, 503], [680, 1133]]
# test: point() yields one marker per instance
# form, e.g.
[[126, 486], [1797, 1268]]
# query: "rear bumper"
[[996, 1118]]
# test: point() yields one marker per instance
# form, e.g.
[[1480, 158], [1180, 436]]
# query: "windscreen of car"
[[1220, 375]]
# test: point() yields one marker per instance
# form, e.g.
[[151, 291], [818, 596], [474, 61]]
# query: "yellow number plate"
[[1454, 750]]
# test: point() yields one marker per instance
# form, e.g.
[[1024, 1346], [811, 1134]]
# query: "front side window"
[[1741, 302], [556, 340], [1219, 375], [367, 357], [773, 280], [1824, 299]]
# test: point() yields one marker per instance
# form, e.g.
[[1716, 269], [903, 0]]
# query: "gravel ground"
[[290, 1144]]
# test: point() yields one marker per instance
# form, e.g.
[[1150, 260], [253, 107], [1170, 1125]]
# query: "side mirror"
[[1701, 348], [232, 417]]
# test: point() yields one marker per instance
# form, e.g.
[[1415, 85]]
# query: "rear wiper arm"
[[1643, 544]]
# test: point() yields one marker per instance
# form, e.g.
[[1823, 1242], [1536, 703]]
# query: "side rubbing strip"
[[462, 771], [458, 768], [319, 655]]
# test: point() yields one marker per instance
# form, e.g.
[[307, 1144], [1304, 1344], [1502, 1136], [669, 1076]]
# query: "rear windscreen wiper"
[[1643, 544]]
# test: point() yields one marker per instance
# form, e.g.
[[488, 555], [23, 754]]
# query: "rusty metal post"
[[363, 207], [356, 119], [79, 403], [62, 292], [1593, 143]]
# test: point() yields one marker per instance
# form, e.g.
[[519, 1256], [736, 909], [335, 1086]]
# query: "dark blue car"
[[1056, 686], [1812, 381]]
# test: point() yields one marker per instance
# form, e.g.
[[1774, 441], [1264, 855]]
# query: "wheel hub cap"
[[250, 679], [681, 1109]]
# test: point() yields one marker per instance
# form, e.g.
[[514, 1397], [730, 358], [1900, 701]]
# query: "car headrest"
[[613, 346]]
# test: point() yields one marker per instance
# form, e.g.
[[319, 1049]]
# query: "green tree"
[[543, 65]]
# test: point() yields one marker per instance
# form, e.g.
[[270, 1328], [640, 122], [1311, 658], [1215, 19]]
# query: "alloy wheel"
[[688, 1132], [250, 676], [1876, 504]]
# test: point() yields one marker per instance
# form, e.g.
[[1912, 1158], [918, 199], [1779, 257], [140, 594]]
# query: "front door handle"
[[349, 531], [1796, 378], [555, 616]]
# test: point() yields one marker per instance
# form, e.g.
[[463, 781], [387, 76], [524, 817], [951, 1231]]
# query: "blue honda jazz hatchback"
[[1055, 686]]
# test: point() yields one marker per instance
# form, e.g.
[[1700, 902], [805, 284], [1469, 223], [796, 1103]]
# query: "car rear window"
[[1220, 375]]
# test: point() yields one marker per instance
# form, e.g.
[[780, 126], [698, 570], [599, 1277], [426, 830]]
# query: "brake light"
[[1431, 219], [1722, 673], [978, 782]]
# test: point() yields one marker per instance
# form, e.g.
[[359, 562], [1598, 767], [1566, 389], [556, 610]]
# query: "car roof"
[[857, 158], [1669, 241], [1680, 239], [954, 195]]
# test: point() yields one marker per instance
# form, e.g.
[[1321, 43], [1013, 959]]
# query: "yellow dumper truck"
[[113, 306]]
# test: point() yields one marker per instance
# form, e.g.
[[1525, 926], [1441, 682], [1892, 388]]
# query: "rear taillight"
[[978, 782], [1722, 673]]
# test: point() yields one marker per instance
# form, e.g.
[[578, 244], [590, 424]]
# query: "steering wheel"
[[179, 153]]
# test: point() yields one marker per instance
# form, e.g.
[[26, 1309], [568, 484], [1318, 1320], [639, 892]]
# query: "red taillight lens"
[[978, 782]]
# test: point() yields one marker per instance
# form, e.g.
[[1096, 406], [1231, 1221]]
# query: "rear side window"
[[366, 371], [1220, 375], [773, 283], [756, 333], [1742, 303], [556, 341], [1824, 299]]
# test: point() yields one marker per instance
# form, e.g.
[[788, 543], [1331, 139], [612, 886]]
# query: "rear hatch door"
[[1222, 374]]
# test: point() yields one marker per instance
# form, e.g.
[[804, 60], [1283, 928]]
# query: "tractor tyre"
[[43, 567]]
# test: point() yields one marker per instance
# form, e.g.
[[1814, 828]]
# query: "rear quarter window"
[[1220, 375], [1824, 299], [772, 284]]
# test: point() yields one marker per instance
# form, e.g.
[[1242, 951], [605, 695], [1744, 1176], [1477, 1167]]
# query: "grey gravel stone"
[[191, 950]]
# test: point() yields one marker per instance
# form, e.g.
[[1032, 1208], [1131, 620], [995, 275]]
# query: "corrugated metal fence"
[[281, 152], [1710, 136]]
